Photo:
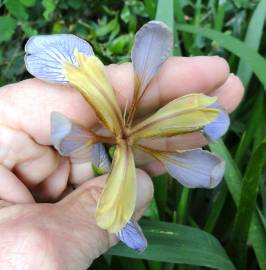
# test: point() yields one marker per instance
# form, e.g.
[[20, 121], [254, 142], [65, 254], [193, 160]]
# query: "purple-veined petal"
[[194, 168], [100, 158], [153, 45], [46, 54], [132, 236], [70, 138], [218, 128]]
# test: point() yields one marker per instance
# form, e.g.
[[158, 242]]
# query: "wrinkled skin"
[[62, 234]]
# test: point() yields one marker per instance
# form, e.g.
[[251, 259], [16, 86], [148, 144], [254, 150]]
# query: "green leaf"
[[217, 207], [165, 13], [178, 244], [28, 3], [247, 204], [183, 205], [49, 7], [233, 180], [150, 8], [17, 9], [252, 39], [253, 124], [219, 18], [7, 28], [239, 48], [160, 193]]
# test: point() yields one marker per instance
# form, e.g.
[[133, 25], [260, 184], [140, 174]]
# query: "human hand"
[[64, 235]]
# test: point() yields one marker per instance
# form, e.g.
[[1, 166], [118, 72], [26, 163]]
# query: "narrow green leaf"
[[237, 47], [247, 204], [182, 208], [165, 13], [7, 28], [178, 244], [219, 18], [233, 180], [160, 193], [248, 135], [252, 39], [217, 207], [150, 8], [180, 18]]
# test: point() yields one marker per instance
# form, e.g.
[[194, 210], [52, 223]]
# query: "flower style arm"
[[131, 234], [117, 201]]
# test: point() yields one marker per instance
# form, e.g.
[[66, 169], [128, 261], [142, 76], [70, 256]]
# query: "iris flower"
[[68, 59]]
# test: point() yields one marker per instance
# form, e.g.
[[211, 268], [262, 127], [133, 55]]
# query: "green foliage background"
[[223, 228]]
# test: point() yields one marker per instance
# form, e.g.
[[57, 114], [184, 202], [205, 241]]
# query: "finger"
[[34, 100], [230, 93], [89, 192], [80, 206], [80, 173], [52, 188], [229, 96], [178, 76], [12, 189], [30, 161]]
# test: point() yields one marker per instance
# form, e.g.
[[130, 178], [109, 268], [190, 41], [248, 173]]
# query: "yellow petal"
[[117, 202], [186, 114], [90, 79]]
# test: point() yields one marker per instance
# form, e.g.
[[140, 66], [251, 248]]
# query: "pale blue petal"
[[45, 55], [132, 235], [70, 138], [100, 158], [219, 127], [194, 168], [153, 45]]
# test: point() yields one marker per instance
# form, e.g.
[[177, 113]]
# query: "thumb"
[[80, 207]]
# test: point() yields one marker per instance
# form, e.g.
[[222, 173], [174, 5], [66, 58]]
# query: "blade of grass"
[[165, 13], [217, 207], [175, 243], [219, 18], [233, 180], [253, 124], [160, 193], [182, 208], [252, 39], [247, 205], [180, 18], [237, 47]]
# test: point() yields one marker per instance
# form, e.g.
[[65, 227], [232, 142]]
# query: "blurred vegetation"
[[233, 215]]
